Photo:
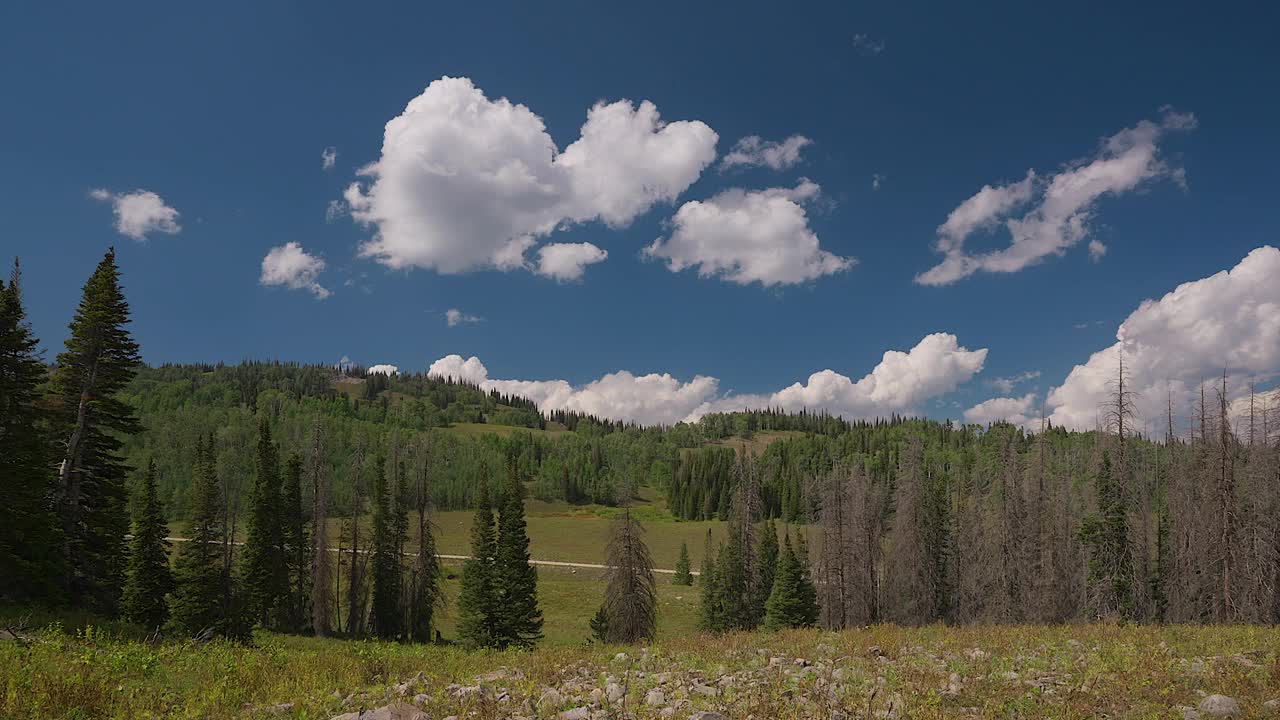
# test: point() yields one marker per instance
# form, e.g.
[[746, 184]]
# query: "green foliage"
[[793, 601], [388, 535], [89, 420], [1106, 533], [30, 537], [296, 546], [515, 578], [148, 579], [683, 575], [767, 565], [264, 567], [202, 599], [477, 598]]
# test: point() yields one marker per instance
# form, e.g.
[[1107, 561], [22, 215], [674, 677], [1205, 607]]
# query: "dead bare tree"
[[321, 576]]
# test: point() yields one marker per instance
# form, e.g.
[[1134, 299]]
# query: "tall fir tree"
[[631, 594], [385, 611], [709, 615], [477, 603], [30, 538], [264, 569], [767, 562], [684, 575], [1110, 552], [148, 579], [515, 578], [296, 545], [793, 601], [100, 359], [200, 583]]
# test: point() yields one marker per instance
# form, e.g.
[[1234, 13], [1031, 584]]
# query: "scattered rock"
[[620, 657], [281, 709], [705, 690], [422, 698], [1219, 706], [655, 697], [394, 711], [707, 715], [578, 713], [1189, 713], [1272, 705], [550, 699], [614, 692]]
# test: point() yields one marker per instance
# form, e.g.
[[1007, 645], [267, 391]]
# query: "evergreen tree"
[[683, 575], [30, 552], [793, 601], [631, 595], [296, 545], [200, 584], [600, 625], [386, 612], [477, 603], [709, 615], [735, 599], [264, 569], [99, 361], [767, 563], [1110, 553], [424, 590], [515, 578], [149, 579]]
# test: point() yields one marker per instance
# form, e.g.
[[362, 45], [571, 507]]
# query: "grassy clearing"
[[756, 444], [553, 429], [924, 673]]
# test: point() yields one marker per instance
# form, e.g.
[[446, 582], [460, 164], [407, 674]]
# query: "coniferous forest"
[[306, 495]]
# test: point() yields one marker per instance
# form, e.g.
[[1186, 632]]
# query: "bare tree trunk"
[[321, 580]]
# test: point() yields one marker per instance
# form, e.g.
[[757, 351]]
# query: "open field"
[[883, 671]]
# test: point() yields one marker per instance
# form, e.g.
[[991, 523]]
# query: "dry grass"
[[883, 671]]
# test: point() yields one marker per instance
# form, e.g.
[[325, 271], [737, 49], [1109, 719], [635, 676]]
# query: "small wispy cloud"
[[455, 317], [1007, 384], [868, 45], [876, 181], [328, 158]]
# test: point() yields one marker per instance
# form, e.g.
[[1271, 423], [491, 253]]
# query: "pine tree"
[[710, 616], [424, 589], [200, 584], [296, 545], [793, 602], [385, 612], [477, 604], [264, 569], [148, 579], [767, 562], [1111, 555], [515, 578], [683, 574], [631, 595], [30, 539], [99, 361]]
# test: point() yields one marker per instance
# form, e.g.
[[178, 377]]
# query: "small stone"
[[578, 713], [281, 709], [708, 715], [655, 697], [422, 698], [620, 657], [550, 699], [1219, 706], [1189, 713], [1272, 705], [614, 692], [705, 690]]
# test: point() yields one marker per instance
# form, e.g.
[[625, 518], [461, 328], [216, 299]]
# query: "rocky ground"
[[839, 678]]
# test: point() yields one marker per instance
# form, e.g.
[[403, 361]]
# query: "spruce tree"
[[30, 539], [709, 614], [683, 575], [793, 600], [296, 545], [1106, 533], [200, 584], [767, 562], [264, 571], [515, 578], [149, 579], [477, 605], [90, 420], [386, 612], [631, 595]]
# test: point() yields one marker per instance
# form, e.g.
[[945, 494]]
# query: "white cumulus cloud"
[[1019, 411], [455, 317], [753, 151], [291, 266], [467, 183], [747, 236], [1170, 345], [139, 213], [567, 261], [1059, 219], [384, 370], [900, 382]]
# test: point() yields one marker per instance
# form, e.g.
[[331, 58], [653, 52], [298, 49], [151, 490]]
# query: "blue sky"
[[223, 113]]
